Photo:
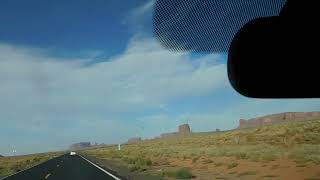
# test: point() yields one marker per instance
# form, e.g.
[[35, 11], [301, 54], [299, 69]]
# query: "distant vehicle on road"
[[72, 153]]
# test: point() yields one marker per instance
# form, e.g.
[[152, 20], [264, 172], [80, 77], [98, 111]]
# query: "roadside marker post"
[[119, 147]]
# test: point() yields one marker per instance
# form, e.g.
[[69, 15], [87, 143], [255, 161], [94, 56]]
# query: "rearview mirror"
[[277, 57]]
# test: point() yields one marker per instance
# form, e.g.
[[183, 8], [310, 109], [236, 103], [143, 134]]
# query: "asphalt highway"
[[65, 167]]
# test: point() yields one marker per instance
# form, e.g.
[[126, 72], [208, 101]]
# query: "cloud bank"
[[60, 97]]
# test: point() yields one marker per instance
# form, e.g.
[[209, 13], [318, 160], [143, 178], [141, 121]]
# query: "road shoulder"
[[120, 170]]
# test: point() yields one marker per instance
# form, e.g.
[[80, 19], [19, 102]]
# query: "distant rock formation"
[[80, 145], [184, 129], [134, 140], [276, 118], [1, 156]]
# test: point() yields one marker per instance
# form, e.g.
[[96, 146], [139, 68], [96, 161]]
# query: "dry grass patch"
[[247, 173], [298, 141]]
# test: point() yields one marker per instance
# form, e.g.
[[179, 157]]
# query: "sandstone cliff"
[[276, 118]]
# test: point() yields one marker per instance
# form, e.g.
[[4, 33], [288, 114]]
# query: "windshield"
[[87, 85]]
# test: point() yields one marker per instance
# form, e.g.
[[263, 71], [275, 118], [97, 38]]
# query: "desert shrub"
[[134, 167], [143, 162], [232, 165], [115, 156], [148, 162], [131, 160], [2, 170], [180, 174], [137, 163], [242, 155], [195, 159], [267, 157], [218, 164], [306, 153], [184, 157], [17, 167], [207, 161], [36, 159], [246, 173]]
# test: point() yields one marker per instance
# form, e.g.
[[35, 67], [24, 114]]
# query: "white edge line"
[[26, 169], [100, 168]]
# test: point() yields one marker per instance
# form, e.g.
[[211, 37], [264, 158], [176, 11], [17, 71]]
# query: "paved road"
[[65, 167]]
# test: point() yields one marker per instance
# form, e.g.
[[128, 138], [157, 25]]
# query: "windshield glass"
[[88, 82]]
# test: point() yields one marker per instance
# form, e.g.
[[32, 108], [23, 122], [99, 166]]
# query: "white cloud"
[[139, 19], [139, 12], [39, 93], [144, 8], [144, 75]]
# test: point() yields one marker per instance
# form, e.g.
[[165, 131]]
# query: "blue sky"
[[92, 71]]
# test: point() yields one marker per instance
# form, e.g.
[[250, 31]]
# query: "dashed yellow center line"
[[47, 176]]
